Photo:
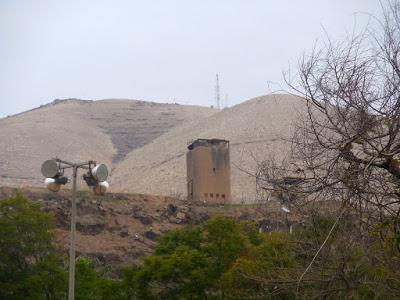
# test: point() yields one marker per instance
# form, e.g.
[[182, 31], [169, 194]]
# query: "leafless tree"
[[347, 147]]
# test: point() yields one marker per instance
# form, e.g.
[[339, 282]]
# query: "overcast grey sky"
[[160, 50]]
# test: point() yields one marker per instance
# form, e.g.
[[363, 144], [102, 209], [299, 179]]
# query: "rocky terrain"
[[120, 229]]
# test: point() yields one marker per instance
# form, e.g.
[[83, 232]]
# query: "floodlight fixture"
[[50, 168], [54, 175], [89, 179], [100, 172], [54, 184], [101, 188], [96, 177]]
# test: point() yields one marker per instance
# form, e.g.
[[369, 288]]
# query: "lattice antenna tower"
[[217, 93]]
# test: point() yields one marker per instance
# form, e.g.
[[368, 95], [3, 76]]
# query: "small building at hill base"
[[209, 171]]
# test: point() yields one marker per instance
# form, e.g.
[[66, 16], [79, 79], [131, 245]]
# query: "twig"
[[319, 250]]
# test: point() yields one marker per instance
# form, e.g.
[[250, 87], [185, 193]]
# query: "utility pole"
[[71, 280], [95, 178], [217, 93]]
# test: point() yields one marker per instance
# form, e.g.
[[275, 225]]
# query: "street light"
[[54, 175], [95, 178]]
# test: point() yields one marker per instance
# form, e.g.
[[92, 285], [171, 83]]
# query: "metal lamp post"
[[96, 177]]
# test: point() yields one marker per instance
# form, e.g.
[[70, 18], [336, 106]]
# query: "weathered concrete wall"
[[208, 171]]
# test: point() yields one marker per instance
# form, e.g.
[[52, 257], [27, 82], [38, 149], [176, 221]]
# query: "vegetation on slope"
[[221, 259]]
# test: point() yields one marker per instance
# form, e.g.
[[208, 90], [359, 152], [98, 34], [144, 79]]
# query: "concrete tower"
[[209, 171]]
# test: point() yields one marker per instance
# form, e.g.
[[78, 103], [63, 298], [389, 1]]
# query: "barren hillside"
[[254, 129], [81, 130], [145, 143]]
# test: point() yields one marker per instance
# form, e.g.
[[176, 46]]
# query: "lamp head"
[[101, 188], [55, 178], [50, 168], [100, 172], [51, 184]]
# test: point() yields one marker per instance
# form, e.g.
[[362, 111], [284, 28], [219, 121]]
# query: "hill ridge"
[[103, 130], [254, 129], [144, 143]]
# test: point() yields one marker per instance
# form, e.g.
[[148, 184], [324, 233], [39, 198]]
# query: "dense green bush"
[[29, 266], [228, 259]]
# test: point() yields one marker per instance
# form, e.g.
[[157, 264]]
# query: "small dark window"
[[223, 196], [206, 195], [217, 195], [211, 195], [214, 170]]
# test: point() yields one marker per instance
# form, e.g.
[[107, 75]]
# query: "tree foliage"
[[229, 259], [92, 283], [29, 266], [188, 263], [220, 259]]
